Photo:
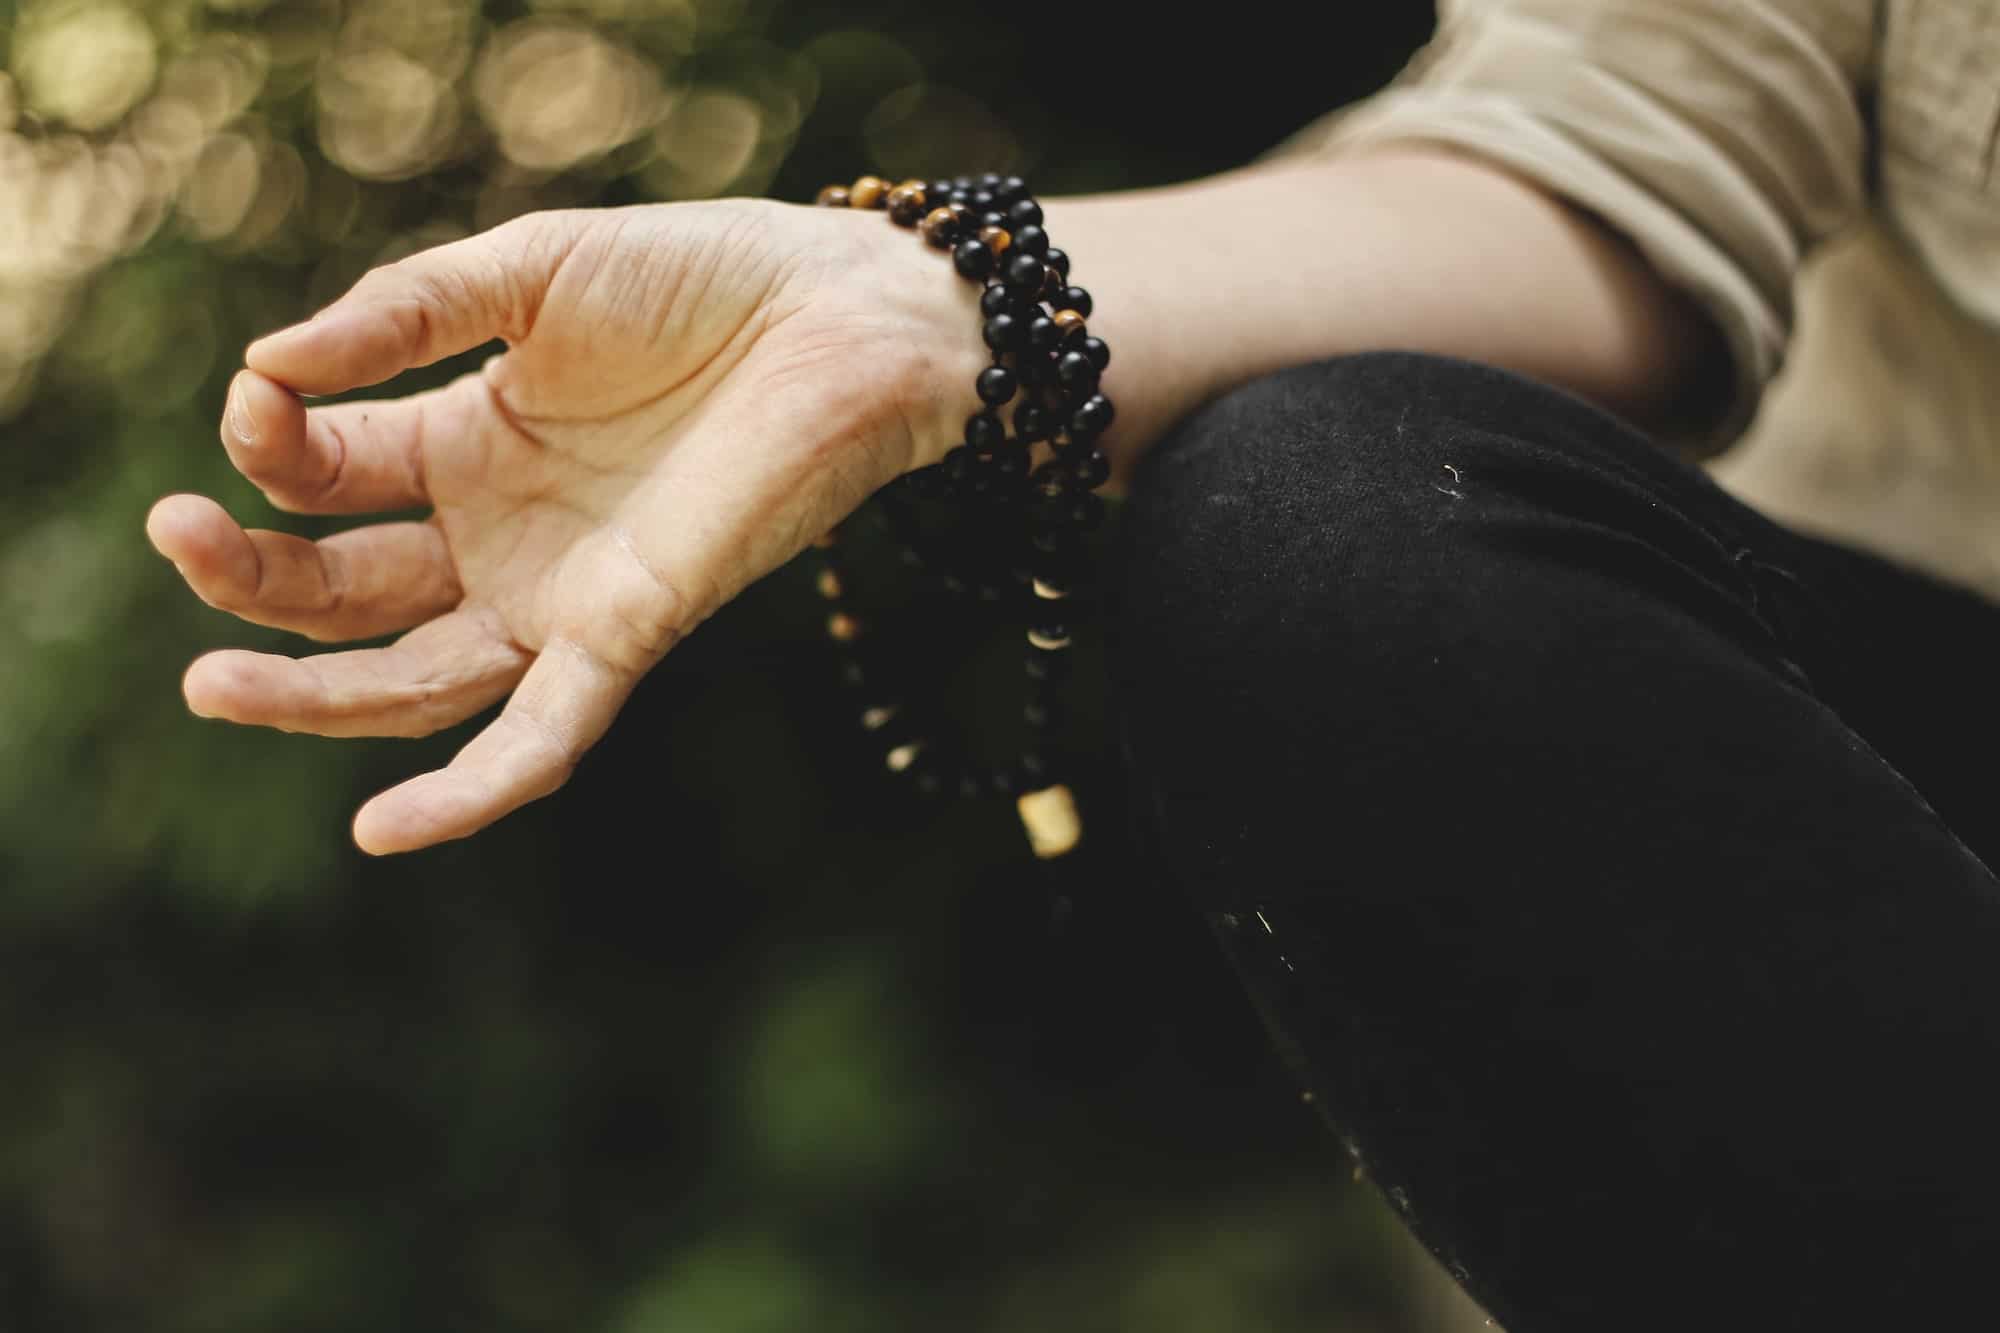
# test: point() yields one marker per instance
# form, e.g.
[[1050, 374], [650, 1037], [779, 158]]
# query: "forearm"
[[1203, 286]]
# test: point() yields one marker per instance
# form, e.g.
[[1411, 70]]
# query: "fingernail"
[[239, 414]]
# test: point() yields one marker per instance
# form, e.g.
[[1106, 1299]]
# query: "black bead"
[[1010, 189], [1043, 334], [1002, 332], [1034, 369], [1033, 422], [956, 468], [984, 431], [962, 183], [1074, 298], [1091, 418], [1010, 461], [1032, 240], [1058, 260], [993, 218], [1025, 213], [996, 385], [1076, 370], [997, 300], [1092, 468], [958, 196], [1096, 350], [938, 192], [1024, 273], [972, 259], [981, 201]]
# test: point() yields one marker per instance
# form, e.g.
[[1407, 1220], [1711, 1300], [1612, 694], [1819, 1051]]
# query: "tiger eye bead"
[[842, 627], [906, 204], [868, 192], [939, 228], [1052, 286], [996, 239], [1069, 324], [833, 196]]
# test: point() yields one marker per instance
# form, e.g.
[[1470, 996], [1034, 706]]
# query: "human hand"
[[690, 394]]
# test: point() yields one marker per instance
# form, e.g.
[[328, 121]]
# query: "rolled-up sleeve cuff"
[[1499, 129]]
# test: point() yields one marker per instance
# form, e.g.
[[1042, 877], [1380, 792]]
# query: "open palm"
[[691, 393]]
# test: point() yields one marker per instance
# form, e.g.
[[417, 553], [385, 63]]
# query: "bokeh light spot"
[[84, 65]]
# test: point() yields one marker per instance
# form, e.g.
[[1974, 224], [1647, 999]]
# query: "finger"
[[563, 706], [353, 585], [434, 304], [438, 674], [346, 458]]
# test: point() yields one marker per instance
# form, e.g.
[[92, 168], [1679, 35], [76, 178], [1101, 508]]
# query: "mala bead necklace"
[[1022, 502]]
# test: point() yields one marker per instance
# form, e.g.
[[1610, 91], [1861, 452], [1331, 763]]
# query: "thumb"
[[434, 304]]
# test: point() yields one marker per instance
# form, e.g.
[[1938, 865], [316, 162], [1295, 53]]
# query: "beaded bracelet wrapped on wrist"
[[1035, 485]]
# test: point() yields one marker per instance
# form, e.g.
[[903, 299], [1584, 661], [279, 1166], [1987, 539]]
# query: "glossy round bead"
[[1025, 213], [961, 183], [1043, 335], [958, 197], [1024, 273], [1076, 370], [1052, 286], [972, 259], [1091, 418], [1092, 469], [906, 204], [988, 180], [938, 191], [980, 200], [1059, 261], [996, 239], [1074, 298], [1070, 323], [991, 218], [984, 431], [996, 300], [996, 384], [833, 196], [1096, 350], [868, 192], [1010, 189], [1032, 240], [1033, 422], [1002, 332], [939, 227]]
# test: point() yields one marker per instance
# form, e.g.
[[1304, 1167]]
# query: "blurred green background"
[[725, 1037]]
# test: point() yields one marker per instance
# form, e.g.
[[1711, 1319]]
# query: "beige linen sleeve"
[[1723, 137]]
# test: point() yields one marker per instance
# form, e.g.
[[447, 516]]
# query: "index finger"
[[434, 304]]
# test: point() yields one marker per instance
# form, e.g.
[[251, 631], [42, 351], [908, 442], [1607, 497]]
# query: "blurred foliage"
[[720, 1038]]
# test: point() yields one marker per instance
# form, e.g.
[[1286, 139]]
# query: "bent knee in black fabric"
[[1611, 949]]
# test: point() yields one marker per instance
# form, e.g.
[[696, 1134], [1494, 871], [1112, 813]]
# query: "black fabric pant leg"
[[1578, 831]]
